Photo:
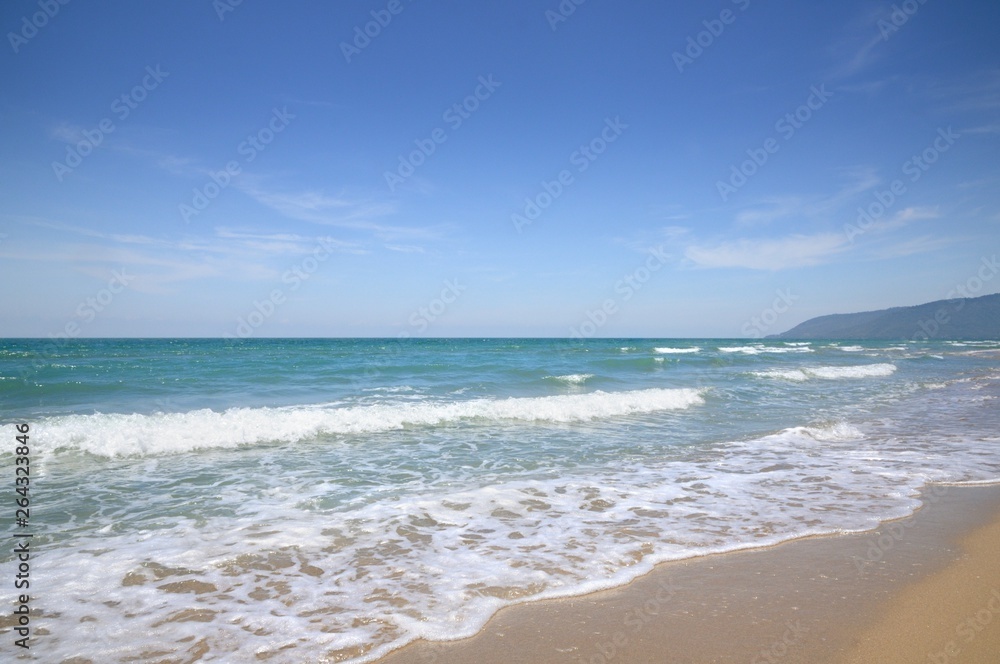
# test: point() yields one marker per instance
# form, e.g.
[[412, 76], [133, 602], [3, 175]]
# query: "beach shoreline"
[[905, 592]]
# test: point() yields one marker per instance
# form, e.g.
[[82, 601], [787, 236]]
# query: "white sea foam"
[[851, 349], [114, 435], [669, 351], [345, 547], [436, 561], [758, 349], [835, 432], [829, 373]]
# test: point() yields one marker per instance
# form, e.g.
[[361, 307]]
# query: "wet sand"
[[921, 589]]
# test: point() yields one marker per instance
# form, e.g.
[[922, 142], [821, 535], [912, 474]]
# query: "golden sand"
[[950, 616], [918, 590]]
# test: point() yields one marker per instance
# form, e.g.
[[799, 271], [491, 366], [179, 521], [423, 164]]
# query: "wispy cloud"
[[860, 179], [804, 250], [975, 93], [993, 128], [181, 166], [222, 240], [67, 132], [858, 47], [405, 248], [314, 206], [286, 243], [916, 245], [153, 272], [160, 263], [769, 254], [317, 207], [908, 215]]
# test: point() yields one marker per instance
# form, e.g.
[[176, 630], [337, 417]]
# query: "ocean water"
[[330, 500]]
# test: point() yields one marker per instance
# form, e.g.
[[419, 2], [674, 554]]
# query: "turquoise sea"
[[330, 500]]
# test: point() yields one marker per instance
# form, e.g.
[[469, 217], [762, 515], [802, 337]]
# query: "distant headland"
[[961, 318]]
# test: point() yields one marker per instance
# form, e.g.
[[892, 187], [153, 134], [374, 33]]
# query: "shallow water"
[[329, 500]]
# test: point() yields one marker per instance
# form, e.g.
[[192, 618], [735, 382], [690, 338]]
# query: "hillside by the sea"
[[962, 318]]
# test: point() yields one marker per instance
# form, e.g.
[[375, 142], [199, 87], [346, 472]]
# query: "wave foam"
[[669, 351], [758, 349], [830, 373], [114, 435]]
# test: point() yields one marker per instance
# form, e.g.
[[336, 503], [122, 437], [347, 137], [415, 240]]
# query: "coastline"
[[901, 593]]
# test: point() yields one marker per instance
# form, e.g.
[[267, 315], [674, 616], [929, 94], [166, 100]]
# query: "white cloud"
[[769, 254], [917, 245], [405, 248], [858, 47], [983, 129], [342, 212], [859, 180], [68, 133], [160, 263], [911, 214], [317, 207], [284, 243], [976, 92]]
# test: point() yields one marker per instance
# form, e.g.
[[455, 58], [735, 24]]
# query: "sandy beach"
[[921, 589]]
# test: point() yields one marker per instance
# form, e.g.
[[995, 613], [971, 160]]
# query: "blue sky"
[[411, 167]]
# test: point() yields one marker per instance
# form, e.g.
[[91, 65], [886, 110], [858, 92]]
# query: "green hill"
[[962, 318]]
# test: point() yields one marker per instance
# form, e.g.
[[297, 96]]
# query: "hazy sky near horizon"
[[388, 167]]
